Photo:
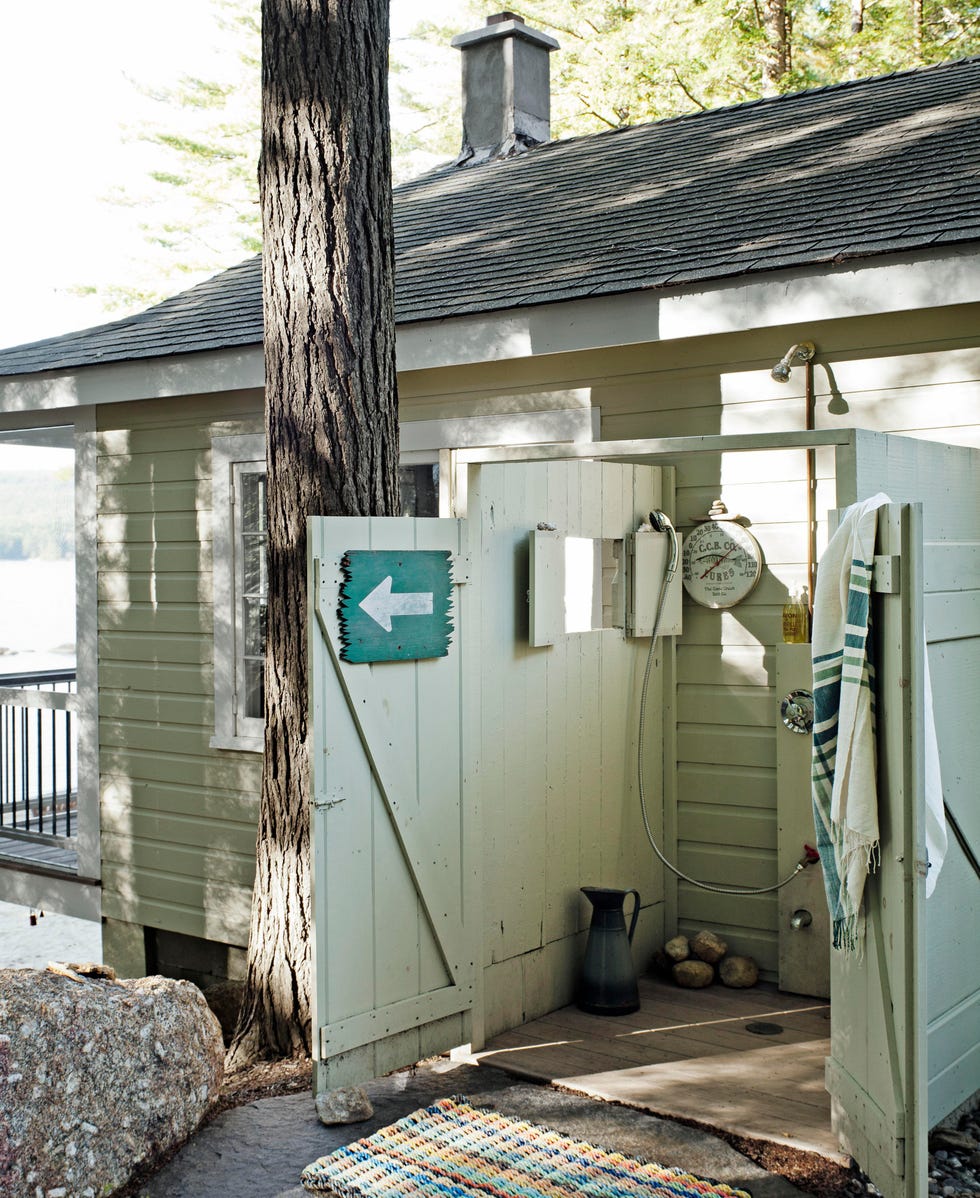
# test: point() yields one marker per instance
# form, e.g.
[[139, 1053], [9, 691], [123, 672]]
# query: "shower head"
[[803, 351]]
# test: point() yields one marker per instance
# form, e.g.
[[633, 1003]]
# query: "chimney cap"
[[504, 24]]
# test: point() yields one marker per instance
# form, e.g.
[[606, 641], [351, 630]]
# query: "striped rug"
[[454, 1150]]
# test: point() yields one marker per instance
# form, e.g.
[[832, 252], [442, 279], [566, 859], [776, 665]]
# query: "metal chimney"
[[506, 88]]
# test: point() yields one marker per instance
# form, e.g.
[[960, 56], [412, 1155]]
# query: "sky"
[[67, 75]]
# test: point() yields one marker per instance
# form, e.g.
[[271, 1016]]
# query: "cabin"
[[775, 304]]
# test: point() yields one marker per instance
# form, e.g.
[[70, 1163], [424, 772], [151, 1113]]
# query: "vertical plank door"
[[395, 882], [876, 1073]]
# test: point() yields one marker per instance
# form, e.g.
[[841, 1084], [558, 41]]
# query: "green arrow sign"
[[395, 605]]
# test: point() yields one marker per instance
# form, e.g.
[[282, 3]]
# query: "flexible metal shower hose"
[[742, 890]]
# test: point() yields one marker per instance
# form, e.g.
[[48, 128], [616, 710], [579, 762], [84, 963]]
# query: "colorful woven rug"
[[454, 1150]]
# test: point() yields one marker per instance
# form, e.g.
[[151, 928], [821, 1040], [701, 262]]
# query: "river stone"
[[98, 1076], [349, 1104], [678, 949], [706, 946], [738, 972], [693, 975]]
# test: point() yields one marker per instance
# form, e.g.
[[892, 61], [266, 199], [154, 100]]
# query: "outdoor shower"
[[803, 351], [661, 522]]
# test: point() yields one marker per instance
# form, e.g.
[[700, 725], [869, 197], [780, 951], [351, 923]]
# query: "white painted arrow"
[[381, 604]]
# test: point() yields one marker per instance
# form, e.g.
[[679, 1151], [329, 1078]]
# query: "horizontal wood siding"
[[178, 818]]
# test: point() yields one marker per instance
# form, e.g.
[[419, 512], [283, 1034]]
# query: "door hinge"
[[462, 564], [234, 702], [886, 577]]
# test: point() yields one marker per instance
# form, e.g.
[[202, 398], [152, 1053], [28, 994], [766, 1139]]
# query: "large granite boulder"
[[98, 1076]]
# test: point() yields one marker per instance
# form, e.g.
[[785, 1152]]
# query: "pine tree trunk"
[[331, 425], [775, 61]]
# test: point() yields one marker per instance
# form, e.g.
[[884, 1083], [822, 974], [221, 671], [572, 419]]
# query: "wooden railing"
[[38, 754]]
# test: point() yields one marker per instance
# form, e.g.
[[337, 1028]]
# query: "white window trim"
[[422, 441], [231, 731]]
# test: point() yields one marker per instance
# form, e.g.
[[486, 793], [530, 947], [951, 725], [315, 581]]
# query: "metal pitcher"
[[607, 983]]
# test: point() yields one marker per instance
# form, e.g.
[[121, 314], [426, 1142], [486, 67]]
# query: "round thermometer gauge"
[[722, 563]]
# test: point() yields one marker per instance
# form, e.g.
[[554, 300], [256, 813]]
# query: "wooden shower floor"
[[687, 1054]]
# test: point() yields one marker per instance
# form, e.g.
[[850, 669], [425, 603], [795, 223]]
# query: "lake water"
[[37, 615]]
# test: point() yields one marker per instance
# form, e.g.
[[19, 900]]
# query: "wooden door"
[[876, 1073], [395, 882]]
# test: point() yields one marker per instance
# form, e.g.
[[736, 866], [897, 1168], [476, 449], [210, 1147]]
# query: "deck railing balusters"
[[31, 801], [68, 760], [24, 784]]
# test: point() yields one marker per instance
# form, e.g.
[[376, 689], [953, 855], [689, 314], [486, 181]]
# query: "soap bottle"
[[796, 618]]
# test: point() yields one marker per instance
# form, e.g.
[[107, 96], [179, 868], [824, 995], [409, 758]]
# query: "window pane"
[[255, 627], [254, 688], [419, 490], [253, 502], [256, 579]]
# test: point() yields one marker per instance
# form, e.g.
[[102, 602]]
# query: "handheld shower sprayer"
[[660, 522]]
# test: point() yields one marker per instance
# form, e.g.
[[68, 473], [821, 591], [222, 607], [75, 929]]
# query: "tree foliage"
[[200, 203], [621, 62]]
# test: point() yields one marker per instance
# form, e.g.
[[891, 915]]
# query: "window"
[[251, 591], [239, 541], [240, 590], [241, 580]]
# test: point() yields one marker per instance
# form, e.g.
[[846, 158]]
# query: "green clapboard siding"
[[178, 817]]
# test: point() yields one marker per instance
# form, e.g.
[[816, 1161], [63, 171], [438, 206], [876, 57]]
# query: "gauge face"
[[722, 563]]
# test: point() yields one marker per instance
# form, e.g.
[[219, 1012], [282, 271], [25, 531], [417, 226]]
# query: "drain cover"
[[764, 1029]]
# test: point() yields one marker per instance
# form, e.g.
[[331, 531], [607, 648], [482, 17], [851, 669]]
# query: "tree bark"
[[331, 425], [775, 61]]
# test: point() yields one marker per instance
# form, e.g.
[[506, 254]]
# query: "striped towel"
[[845, 797]]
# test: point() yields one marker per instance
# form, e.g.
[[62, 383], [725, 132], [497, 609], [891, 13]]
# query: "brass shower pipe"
[[803, 351]]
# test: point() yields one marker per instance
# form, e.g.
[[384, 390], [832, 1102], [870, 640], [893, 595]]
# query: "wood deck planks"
[[29, 854], [687, 1054]]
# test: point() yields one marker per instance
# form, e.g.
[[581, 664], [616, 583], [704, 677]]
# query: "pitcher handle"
[[636, 912]]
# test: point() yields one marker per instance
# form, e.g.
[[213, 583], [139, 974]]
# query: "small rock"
[[349, 1104], [678, 949], [693, 975], [974, 1161], [738, 972], [706, 946]]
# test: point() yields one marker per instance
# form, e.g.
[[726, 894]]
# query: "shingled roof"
[[844, 172]]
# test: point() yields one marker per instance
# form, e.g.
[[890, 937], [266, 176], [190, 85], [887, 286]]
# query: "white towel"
[[845, 799]]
